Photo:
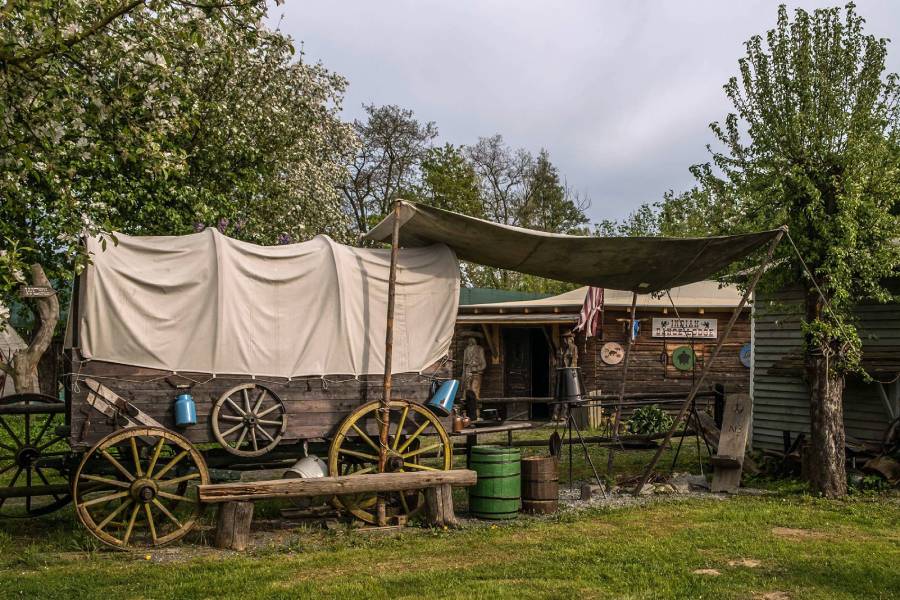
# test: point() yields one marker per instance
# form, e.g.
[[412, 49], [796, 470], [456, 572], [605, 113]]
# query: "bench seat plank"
[[327, 486]]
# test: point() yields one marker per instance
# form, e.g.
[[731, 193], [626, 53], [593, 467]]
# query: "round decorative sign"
[[612, 353], [745, 355], [683, 358]]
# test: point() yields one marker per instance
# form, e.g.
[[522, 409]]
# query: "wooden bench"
[[236, 498]]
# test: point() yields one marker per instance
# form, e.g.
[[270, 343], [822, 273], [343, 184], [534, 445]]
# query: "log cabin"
[[521, 338]]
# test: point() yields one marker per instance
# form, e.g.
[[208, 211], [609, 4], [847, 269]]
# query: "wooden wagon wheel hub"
[[144, 490], [394, 463], [27, 456]]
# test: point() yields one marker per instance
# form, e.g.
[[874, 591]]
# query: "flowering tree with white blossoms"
[[154, 117]]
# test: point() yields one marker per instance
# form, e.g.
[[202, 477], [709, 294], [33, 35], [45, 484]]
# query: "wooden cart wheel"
[[137, 487], [33, 456], [249, 420], [416, 442]]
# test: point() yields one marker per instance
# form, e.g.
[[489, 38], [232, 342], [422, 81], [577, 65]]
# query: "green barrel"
[[499, 487]]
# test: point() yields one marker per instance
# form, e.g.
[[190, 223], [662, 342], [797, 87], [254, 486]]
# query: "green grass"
[[846, 549], [830, 549]]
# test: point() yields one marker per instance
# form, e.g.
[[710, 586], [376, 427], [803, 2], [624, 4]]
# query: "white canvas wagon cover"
[[211, 304]]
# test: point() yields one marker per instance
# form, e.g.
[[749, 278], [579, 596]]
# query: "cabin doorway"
[[527, 367]]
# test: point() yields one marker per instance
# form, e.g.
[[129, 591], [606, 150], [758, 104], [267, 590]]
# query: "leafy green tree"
[[449, 181], [551, 205], [694, 213], [813, 144], [641, 222], [392, 144], [519, 189], [153, 117]]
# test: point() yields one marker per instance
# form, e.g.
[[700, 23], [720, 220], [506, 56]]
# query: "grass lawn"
[[786, 543], [806, 548]]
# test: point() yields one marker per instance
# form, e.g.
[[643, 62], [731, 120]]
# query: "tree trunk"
[[827, 461], [24, 363]]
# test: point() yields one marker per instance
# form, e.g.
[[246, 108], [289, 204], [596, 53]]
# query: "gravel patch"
[[679, 487]]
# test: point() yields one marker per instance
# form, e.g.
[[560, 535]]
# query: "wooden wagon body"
[[315, 407]]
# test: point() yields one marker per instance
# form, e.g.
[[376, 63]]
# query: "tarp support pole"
[[385, 409], [708, 366], [610, 456]]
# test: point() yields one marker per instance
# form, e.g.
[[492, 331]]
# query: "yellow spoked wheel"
[[137, 487], [416, 442]]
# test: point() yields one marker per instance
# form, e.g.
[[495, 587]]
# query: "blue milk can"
[[185, 410], [441, 402]]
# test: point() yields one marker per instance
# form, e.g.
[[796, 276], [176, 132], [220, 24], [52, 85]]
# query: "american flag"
[[591, 312]]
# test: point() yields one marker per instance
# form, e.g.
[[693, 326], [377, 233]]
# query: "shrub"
[[648, 420]]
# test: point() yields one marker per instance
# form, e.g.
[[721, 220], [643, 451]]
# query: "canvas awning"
[[637, 264], [211, 304]]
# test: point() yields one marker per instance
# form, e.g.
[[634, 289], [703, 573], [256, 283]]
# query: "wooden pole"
[[384, 410], [615, 433], [708, 366]]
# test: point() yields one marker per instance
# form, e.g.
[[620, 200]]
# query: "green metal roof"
[[476, 295]]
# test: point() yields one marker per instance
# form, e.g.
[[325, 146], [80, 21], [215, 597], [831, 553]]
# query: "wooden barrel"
[[540, 485], [498, 491]]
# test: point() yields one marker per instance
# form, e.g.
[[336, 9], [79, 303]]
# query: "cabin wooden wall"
[[647, 372]]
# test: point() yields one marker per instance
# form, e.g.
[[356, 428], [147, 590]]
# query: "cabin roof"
[[703, 294]]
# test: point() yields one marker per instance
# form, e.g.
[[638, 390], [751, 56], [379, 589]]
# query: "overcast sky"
[[619, 93]]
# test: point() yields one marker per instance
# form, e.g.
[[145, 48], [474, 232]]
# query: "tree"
[[152, 120], [392, 145], [519, 189], [820, 118], [695, 213], [552, 206], [449, 181], [504, 176]]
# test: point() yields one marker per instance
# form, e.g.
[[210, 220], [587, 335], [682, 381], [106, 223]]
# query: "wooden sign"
[[35, 291], [677, 369], [665, 327], [612, 353]]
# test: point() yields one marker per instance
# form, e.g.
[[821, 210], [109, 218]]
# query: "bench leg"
[[439, 506], [434, 507], [447, 503], [233, 525]]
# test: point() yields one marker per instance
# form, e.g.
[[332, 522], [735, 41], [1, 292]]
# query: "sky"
[[620, 93]]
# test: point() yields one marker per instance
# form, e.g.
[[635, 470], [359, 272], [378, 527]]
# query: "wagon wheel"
[[33, 456], [416, 442], [137, 487], [249, 420]]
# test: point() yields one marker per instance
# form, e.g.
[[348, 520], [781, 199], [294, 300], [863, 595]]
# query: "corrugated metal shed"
[[780, 394]]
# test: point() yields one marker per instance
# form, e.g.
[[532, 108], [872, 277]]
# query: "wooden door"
[[517, 363]]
